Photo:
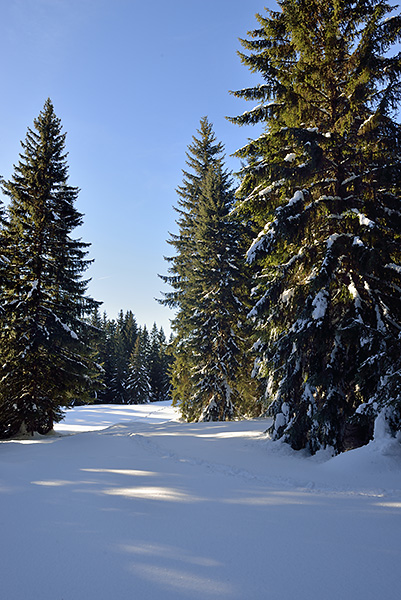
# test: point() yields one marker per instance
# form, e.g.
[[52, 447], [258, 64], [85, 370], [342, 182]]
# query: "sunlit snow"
[[150, 507]]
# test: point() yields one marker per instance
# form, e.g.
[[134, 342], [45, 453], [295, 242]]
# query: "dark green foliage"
[[138, 381], [158, 366], [3, 272], [45, 343], [208, 278], [322, 185], [135, 368]]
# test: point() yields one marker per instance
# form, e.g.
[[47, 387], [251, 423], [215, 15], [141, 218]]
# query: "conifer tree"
[[101, 352], [158, 366], [202, 153], [322, 186], [165, 365], [138, 383], [121, 337], [107, 352], [207, 277], [3, 272], [121, 356], [46, 359]]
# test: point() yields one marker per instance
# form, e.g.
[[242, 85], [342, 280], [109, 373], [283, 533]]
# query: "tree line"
[[135, 362]]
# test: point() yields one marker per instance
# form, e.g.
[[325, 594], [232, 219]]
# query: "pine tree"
[[124, 336], [322, 186], [100, 353], [107, 352], [3, 262], [129, 332], [201, 154], [165, 365], [45, 340], [158, 366], [138, 383], [208, 275]]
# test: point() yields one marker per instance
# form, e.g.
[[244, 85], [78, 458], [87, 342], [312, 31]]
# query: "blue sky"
[[130, 81]]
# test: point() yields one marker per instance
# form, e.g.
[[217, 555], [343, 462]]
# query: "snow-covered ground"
[[142, 506]]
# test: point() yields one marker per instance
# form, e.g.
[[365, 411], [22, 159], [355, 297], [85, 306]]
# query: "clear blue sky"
[[130, 81]]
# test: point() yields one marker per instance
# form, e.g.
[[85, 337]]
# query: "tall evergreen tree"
[[122, 350], [158, 366], [3, 272], [138, 382], [107, 353], [322, 185], [46, 359], [202, 153], [207, 277]]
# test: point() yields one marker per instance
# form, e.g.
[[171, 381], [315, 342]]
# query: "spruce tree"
[[3, 262], [202, 153], [122, 336], [138, 383], [46, 358], [107, 352], [208, 280], [322, 186], [158, 366]]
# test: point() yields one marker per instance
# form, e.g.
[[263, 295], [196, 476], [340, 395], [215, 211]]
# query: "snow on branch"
[[363, 219], [272, 187], [260, 242], [394, 267], [320, 304]]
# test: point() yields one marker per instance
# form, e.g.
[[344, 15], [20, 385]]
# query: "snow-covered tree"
[[208, 278], [46, 359], [322, 186]]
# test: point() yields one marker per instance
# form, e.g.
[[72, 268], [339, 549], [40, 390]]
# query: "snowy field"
[[125, 502]]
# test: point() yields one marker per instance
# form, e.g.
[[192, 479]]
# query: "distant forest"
[[135, 362]]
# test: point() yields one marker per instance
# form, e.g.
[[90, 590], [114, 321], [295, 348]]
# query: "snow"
[[290, 157], [263, 238], [287, 295], [357, 241], [297, 197], [149, 507], [65, 327], [365, 123], [320, 305], [260, 106], [332, 239], [34, 287], [363, 219], [271, 187], [394, 267]]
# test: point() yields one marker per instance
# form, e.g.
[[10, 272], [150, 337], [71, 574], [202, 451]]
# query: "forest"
[[285, 286]]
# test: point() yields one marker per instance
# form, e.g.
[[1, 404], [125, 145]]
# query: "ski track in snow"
[[278, 482]]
